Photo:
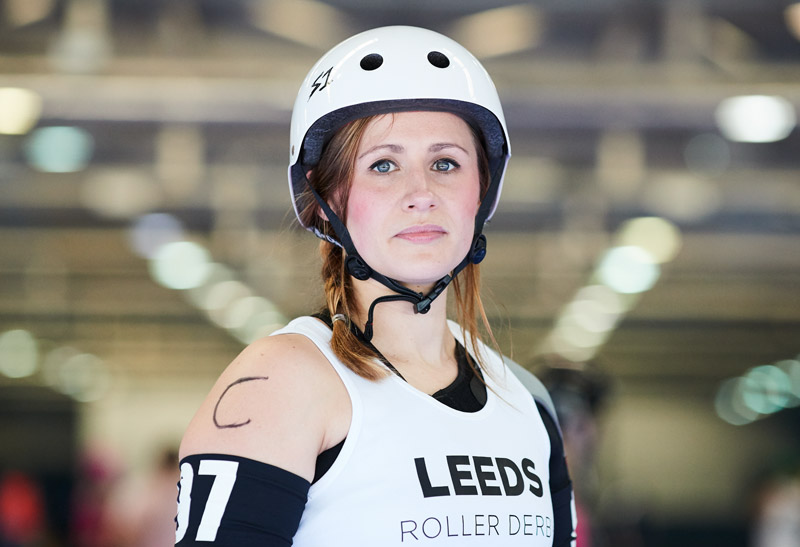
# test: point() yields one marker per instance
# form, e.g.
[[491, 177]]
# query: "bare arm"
[[279, 402]]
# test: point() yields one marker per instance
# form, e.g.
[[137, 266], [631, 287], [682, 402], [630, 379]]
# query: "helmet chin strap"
[[359, 269]]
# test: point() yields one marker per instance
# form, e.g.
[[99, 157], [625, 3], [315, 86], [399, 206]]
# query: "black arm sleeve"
[[231, 501], [560, 483]]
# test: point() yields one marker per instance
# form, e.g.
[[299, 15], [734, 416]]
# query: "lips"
[[422, 233]]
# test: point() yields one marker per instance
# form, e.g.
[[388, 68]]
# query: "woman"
[[370, 424]]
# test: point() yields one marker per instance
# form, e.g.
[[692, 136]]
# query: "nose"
[[419, 195]]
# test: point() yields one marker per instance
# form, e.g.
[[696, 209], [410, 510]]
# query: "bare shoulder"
[[279, 401]]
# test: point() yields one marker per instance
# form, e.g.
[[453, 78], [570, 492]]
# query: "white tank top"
[[414, 471]]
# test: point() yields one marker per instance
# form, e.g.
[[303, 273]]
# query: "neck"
[[402, 335]]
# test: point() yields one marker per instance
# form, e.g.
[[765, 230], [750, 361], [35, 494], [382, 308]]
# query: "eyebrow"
[[444, 145], [396, 148]]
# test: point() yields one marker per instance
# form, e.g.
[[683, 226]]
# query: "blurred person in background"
[[141, 509], [379, 421], [97, 478], [578, 393]]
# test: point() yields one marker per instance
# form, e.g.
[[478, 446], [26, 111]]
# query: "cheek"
[[470, 201], [468, 205], [356, 209], [361, 210], [464, 210]]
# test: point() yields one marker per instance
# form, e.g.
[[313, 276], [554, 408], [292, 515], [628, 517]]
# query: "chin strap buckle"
[[424, 305]]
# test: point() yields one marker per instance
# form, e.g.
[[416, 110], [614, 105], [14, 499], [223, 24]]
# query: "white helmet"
[[394, 69]]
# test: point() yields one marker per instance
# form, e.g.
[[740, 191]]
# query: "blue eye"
[[445, 165], [383, 166]]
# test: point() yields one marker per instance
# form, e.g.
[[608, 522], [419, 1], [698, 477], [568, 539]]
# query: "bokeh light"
[[596, 308], [767, 389], [239, 312], [252, 317], [59, 149], [221, 296], [756, 118], [80, 50], [180, 265], [19, 110], [119, 193], [792, 369], [500, 30], [51, 365], [658, 236], [707, 154], [792, 17], [217, 273], [730, 406], [628, 270], [84, 377], [761, 391], [260, 325], [682, 196], [25, 12], [150, 232], [565, 348], [574, 331], [19, 353]]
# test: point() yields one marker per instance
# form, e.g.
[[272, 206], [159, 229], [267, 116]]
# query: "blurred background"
[[645, 258]]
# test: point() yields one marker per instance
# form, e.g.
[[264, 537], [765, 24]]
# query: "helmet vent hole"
[[371, 61], [438, 59]]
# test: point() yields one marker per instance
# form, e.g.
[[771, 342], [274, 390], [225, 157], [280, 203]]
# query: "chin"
[[420, 277], [422, 271]]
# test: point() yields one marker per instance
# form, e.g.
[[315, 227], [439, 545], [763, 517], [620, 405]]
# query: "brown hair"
[[331, 179]]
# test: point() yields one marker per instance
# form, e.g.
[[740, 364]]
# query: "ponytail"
[[339, 300]]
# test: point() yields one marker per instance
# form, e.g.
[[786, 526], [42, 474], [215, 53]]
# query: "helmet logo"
[[321, 82]]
